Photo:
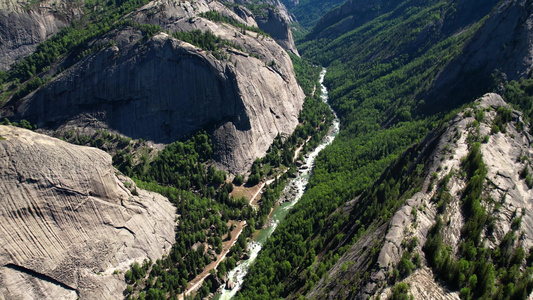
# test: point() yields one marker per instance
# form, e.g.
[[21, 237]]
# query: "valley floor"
[[226, 246]]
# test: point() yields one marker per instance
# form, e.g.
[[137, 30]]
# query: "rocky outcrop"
[[273, 19], [70, 227], [24, 26], [162, 89], [277, 24], [504, 154]]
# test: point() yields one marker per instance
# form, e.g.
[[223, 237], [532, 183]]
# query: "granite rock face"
[[23, 27], [273, 19], [162, 89], [504, 155], [68, 222], [277, 24], [165, 89]]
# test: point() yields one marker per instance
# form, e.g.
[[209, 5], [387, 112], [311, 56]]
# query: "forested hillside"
[[176, 91], [208, 57], [309, 12], [385, 77]]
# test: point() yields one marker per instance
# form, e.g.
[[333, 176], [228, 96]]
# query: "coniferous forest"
[[387, 77], [379, 75]]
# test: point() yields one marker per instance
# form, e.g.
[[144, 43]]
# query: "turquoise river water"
[[295, 188]]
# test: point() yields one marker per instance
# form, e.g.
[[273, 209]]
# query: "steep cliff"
[[70, 226], [163, 89], [277, 23], [23, 26], [506, 197]]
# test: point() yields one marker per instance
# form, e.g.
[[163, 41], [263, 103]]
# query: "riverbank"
[[226, 246], [253, 193], [293, 192]]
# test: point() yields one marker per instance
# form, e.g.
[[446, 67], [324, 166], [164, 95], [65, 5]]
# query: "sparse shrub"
[[517, 222], [529, 181], [480, 116], [400, 292], [405, 266], [519, 126], [494, 129], [239, 180], [465, 293]]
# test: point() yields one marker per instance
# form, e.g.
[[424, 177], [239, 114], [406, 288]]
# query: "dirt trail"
[[255, 199], [199, 279], [300, 149]]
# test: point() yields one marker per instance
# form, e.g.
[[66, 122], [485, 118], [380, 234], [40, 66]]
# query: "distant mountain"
[[308, 12], [500, 50], [351, 14], [448, 47]]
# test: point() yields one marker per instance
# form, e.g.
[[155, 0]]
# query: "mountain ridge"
[[416, 216]]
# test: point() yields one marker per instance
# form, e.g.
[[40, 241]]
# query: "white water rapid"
[[295, 188]]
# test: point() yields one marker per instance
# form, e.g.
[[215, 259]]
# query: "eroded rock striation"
[[163, 89], [504, 154], [24, 26], [68, 222]]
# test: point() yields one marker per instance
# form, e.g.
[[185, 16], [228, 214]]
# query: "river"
[[295, 188]]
